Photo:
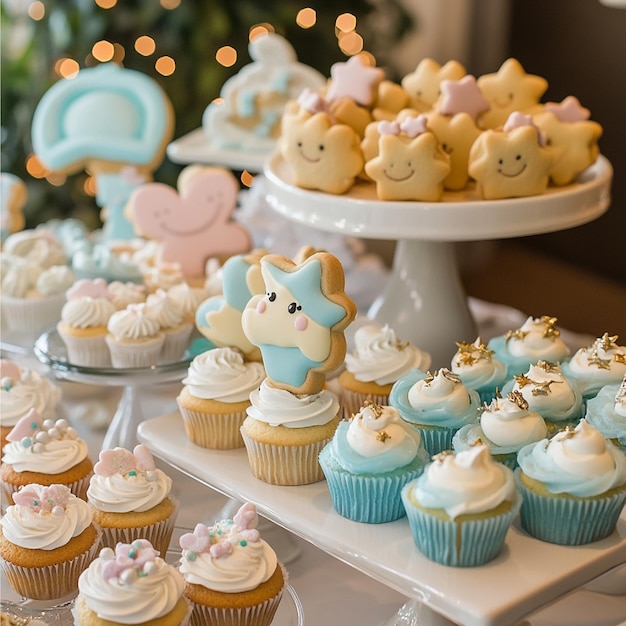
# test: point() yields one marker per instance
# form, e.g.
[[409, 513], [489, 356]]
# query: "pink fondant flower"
[[198, 541]]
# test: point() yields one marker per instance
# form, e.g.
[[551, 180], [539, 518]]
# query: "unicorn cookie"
[[410, 164], [298, 322], [112, 122], [13, 195], [193, 224], [247, 115], [423, 84], [322, 154], [218, 318], [512, 162], [509, 89]]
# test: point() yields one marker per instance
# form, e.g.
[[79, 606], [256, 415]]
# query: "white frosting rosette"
[[125, 293], [87, 312], [607, 412], [189, 298], [579, 486]]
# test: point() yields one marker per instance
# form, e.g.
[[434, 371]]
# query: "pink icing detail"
[[132, 175], [462, 96], [50, 497], [569, 110], [88, 288], [145, 460], [127, 556], [246, 517], [354, 79], [301, 322], [252, 535], [9, 369], [261, 306], [115, 461], [192, 225], [312, 102], [26, 426], [517, 120], [198, 541], [388, 128], [414, 126], [220, 549]]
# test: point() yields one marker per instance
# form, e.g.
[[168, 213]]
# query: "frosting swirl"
[[464, 483], [165, 309], [537, 338], [57, 456], [188, 298], [607, 411], [151, 592], [579, 462], [56, 279], [375, 440], [134, 322], [222, 374], [381, 357], [35, 528], [475, 365], [124, 293], [87, 312], [279, 407]]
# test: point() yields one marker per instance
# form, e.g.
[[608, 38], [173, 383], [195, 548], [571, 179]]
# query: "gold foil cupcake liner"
[[213, 431]]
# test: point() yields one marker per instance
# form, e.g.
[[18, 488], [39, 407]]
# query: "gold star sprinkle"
[[477, 442], [383, 435], [567, 433], [602, 364], [620, 357], [430, 377], [518, 399], [522, 380], [550, 331], [451, 376], [376, 409], [442, 456], [607, 342], [466, 358], [547, 366], [515, 334], [543, 389]]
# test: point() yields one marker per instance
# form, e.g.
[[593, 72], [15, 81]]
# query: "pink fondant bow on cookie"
[[411, 127]]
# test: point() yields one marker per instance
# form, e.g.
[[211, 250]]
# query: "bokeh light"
[[66, 68], [35, 167], [170, 5], [90, 186], [145, 45], [226, 56], [36, 10], [306, 18], [103, 51], [351, 43], [247, 178], [106, 4], [260, 29], [165, 66], [346, 22]]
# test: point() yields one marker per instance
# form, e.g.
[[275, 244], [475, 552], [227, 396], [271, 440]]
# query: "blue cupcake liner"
[[458, 543], [436, 439], [368, 498], [566, 520]]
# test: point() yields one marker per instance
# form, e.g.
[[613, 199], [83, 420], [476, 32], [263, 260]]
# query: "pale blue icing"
[[246, 102], [536, 462], [399, 399], [234, 286], [214, 303], [97, 261], [105, 112], [305, 286], [397, 457], [280, 82], [287, 365], [72, 233], [601, 414], [113, 191], [264, 128]]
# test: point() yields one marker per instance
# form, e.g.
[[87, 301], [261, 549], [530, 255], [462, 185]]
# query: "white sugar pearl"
[[42, 437], [107, 554], [7, 382], [151, 475], [71, 433], [54, 433], [150, 567], [128, 576], [38, 447], [57, 511], [48, 423], [62, 424]]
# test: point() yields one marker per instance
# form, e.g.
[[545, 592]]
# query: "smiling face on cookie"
[[510, 164], [322, 155]]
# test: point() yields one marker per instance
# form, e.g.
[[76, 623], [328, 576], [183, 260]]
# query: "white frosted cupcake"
[[601, 363], [168, 312], [607, 412], [461, 507], [478, 369], [131, 498], [505, 426], [232, 576], [83, 324], [189, 298], [125, 293], [535, 340], [550, 393], [216, 395], [437, 405], [131, 585], [162, 276], [379, 359], [573, 486], [23, 389], [134, 337]]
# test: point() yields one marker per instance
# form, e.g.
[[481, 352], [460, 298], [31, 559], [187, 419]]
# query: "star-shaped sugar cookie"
[[322, 155], [347, 111], [575, 145], [510, 164], [354, 79], [409, 168], [509, 89], [423, 85], [456, 135], [462, 96], [390, 100]]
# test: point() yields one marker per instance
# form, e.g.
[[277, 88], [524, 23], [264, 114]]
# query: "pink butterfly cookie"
[[194, 223]]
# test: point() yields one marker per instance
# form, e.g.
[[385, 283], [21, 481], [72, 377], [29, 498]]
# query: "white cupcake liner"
[[285, 465], [158, 534], [31, 316], [51, 581], [175, 344], [213, 431], [135, 354], [352, 401], [258, 615], [87, 351]]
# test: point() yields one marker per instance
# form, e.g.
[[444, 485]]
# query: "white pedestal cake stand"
[[424, 300]]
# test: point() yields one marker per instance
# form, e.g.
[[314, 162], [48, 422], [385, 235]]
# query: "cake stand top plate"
[[460, 216]]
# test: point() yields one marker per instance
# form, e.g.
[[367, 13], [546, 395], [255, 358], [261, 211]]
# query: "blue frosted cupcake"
[[535, 340], [506, 426], [551, 394], [478, 369], [368, 461], [607, 412], [461, 507], [437, 405], [573, 486], [602, 363]]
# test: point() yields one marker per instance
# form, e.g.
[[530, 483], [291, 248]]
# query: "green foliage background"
[[191, 34]]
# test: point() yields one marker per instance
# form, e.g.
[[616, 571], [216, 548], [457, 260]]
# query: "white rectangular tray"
[[526, 575]]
